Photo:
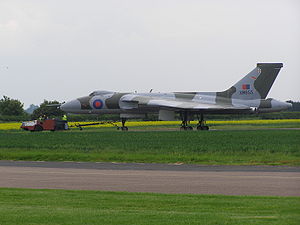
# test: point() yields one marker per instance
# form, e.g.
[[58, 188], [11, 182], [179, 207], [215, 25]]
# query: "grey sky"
[[66, 49]]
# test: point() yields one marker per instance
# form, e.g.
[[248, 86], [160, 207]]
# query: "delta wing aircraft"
[[247, 96]]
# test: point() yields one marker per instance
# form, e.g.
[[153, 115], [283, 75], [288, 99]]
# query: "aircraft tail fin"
[[256, 84]]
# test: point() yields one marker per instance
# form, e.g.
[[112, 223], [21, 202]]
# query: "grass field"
[[270, 147], [46, 207]]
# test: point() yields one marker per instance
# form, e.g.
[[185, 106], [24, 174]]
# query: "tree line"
[[13, 110]]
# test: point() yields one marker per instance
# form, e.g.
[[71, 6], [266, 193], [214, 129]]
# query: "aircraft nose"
[[71, 106]]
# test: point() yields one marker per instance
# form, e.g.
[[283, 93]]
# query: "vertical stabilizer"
[[267, 75], [255, 85]]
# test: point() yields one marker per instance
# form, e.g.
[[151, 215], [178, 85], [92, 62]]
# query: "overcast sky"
[[63, 49]]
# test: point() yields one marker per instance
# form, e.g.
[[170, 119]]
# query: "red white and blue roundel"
[[98, 104]]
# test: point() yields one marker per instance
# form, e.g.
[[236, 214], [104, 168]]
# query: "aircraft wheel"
[[202, 128], [124, 128], [205, 128], [182, 128], [38, 128]]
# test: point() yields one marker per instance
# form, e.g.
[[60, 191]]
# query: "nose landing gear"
[[123, 128]]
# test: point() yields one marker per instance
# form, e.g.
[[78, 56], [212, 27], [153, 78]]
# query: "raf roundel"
[[98, 104]]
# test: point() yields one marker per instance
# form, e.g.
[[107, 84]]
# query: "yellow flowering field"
[[15, 126], [255, 121], [162, 123], [10, 126]]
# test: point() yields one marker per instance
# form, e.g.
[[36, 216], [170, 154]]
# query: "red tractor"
[[47, 124]]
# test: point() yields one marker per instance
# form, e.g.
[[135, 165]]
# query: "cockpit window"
[[100, 93], [92, 94]]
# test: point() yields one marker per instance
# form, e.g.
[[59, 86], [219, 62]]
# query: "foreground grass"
[[273, 147], [27, 206]]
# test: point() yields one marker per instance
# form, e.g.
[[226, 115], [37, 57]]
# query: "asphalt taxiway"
[[160, 178]]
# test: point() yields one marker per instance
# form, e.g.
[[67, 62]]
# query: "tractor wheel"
[[38, 128]]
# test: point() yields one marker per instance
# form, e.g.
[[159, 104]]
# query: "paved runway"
[[161, 178]]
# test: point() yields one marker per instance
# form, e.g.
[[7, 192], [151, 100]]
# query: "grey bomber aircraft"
[[247, 96]]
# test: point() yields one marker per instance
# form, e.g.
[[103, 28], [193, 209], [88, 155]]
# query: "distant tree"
[[296, 106], [45, 110], [11, 107], [31, 108]]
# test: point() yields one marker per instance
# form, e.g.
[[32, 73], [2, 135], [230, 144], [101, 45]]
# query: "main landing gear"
[[202, 124], [185, 125], [123, 127]]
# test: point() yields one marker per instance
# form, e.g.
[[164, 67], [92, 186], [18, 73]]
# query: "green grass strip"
[[55, 207], [272, 147]]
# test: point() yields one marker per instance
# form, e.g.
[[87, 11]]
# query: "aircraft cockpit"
[[94, 93]]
